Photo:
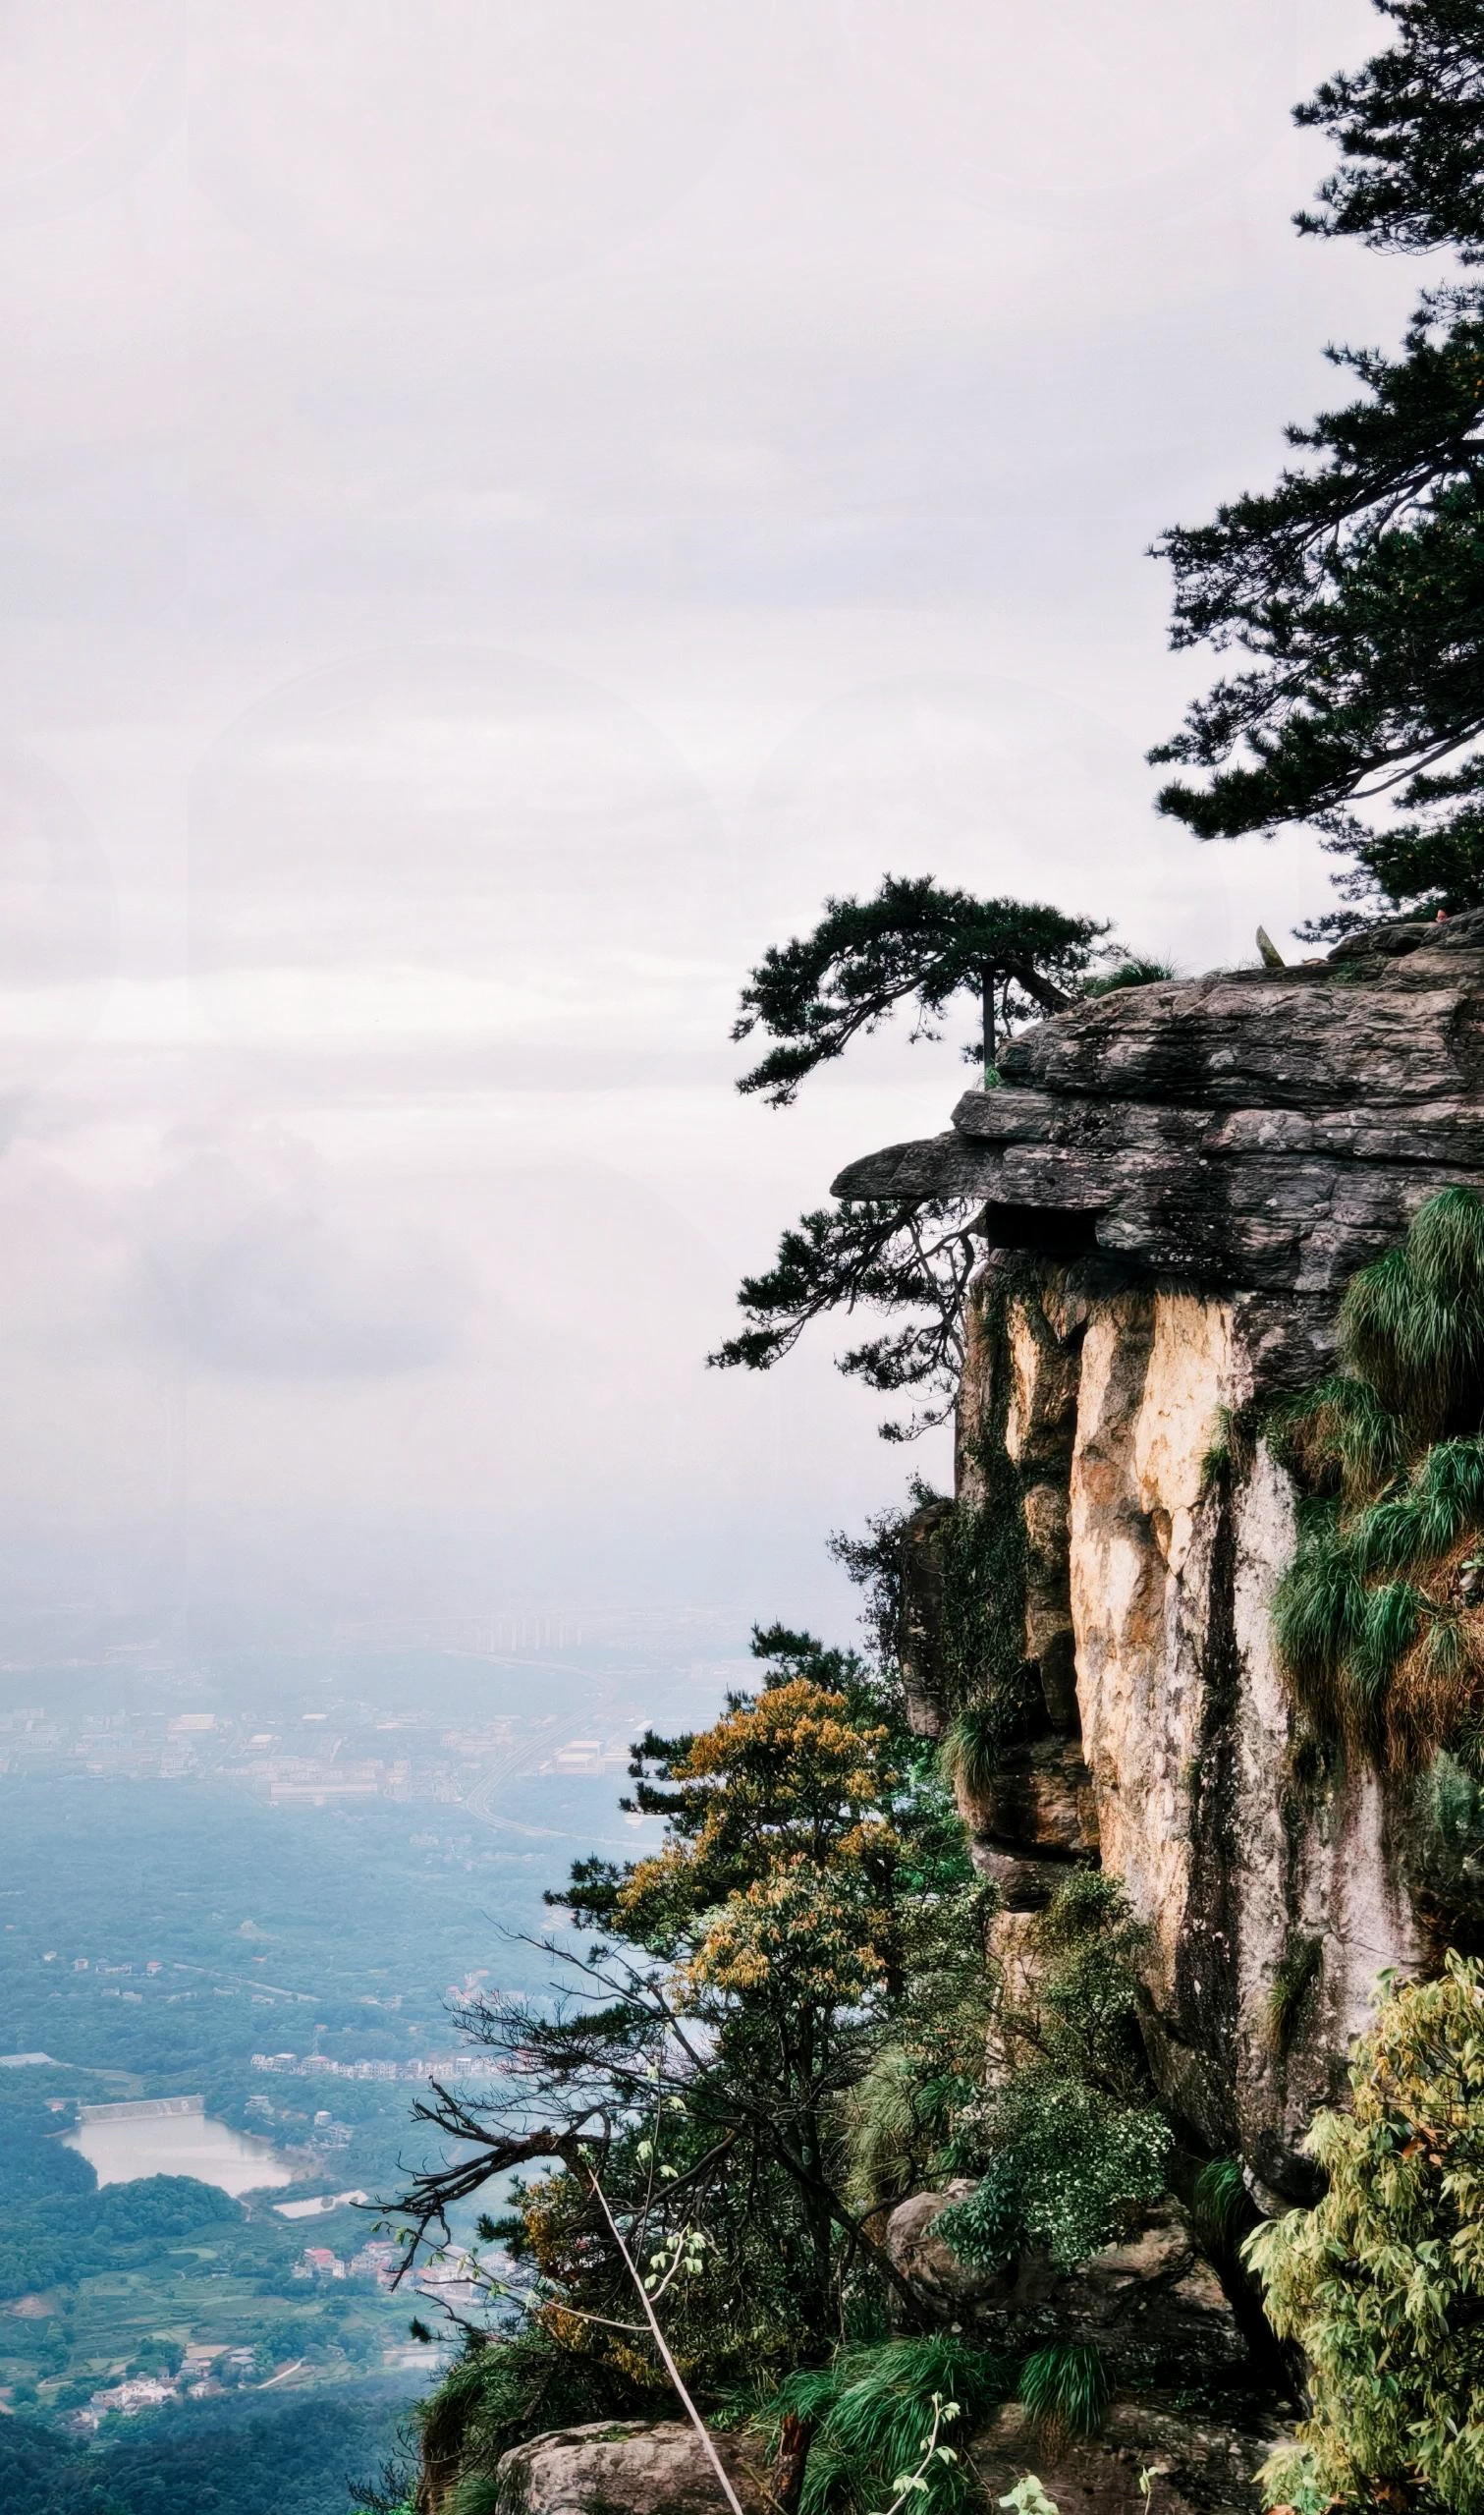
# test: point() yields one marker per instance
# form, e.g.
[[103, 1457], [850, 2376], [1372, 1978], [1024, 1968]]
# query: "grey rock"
[[1267, 1130], [625, 2467]]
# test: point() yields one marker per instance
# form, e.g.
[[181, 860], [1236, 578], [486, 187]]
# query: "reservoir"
[[176, 2136]]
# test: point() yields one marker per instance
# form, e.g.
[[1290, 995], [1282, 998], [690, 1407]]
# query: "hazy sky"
[[508, 503]]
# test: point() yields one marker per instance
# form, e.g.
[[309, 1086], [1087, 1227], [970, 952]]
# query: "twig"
[[663, 2346]]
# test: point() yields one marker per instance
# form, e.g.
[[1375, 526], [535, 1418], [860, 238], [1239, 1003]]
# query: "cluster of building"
[[206, 2368], [310, 1756], [377, 2260], [452, 2278], [453, 2065]]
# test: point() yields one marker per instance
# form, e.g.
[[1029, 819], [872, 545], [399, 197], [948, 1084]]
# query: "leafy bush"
[[1071, 2143], [1066, 2170], [1382, 2284]]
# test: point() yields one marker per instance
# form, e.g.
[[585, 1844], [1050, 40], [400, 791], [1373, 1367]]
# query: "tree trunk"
[[987, 999]]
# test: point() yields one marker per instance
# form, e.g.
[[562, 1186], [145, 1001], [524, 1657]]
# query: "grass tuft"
[[971, 1749], [1220, 2203], [870, 2411], [1064, 2388]]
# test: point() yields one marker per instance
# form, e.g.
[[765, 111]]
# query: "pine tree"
[[1356, 583]]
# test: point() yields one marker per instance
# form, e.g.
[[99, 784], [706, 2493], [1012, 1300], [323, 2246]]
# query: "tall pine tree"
[[1356, 586]]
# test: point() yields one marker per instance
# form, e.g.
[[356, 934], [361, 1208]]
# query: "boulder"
[[1151, 2302], [1263, 1129], [625, 2467]]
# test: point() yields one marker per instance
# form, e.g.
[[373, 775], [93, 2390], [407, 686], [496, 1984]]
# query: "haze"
[[508, 507]]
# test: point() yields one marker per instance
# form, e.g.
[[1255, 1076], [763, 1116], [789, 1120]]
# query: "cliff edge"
[[1176, 1181]]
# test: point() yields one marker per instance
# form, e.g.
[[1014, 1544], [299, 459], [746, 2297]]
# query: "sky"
[[505, 507]]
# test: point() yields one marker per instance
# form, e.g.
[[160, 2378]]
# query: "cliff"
[[1176, 1181]]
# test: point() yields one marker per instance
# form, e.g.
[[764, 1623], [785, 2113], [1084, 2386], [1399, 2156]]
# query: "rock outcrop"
[[1149, 2459], [1174, 1184], [1151, 2304], [627, 2467]]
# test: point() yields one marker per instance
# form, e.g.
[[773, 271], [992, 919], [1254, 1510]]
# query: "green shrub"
[[982, 1551], [1072, 2143], [870, 2411], [1067, 2169], [1382, 2284]]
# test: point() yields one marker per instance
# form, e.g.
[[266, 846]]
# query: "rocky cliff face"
[[1176, 1182]]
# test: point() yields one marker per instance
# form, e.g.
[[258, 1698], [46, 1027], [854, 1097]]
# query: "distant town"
[[312, 1758]]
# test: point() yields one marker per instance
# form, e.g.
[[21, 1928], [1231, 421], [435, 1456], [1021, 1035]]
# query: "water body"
[[122, 2150]]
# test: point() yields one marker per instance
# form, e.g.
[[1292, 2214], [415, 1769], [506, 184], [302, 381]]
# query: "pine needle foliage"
[[1382, 2284], [1377, 1620], [870, 2410], [1349, 589]]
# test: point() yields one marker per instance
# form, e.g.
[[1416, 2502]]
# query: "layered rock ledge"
[[1264, 1131]]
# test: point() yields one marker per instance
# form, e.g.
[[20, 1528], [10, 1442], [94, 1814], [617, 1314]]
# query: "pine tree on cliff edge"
[[912, 944], [1356, 583]]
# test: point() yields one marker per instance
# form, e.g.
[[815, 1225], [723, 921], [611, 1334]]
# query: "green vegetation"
[[1071, 2143], [981, 1548], [1381, 2284], [1353, 586], [910, 1258], [1064, 2388], [777, 2026], [1378, 1619], [868, 2414], [231, 2457], [811, 1894]]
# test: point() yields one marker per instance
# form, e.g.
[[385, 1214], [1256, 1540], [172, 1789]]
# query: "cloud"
[[294, 1293]]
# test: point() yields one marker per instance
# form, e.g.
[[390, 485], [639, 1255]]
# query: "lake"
[[121, 2151]]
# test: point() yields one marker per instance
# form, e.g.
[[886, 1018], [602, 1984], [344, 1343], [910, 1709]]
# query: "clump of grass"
[[1296, 1971], [882, 2123], [869, 2412], [1378, 1621], [477, 2494], [1412, 1324], [969, 1752], [1341, 1438], [1064, 2389], [1136, 971], [1220, 2203]]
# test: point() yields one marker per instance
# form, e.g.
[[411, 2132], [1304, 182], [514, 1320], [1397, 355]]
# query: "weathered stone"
[[1151, 2304], [627, 2467], [1041, 1802], [920, 1623], [1260, 1130], [912, 2242], [1194, 2467]]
